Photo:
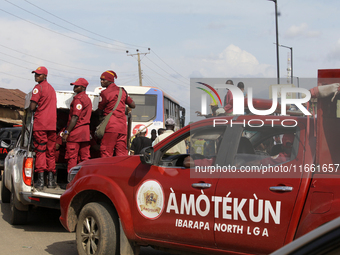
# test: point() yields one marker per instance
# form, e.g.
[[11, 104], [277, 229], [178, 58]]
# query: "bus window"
[[145, 107]]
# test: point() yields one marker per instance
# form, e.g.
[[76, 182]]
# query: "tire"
[[5, 193], [97, 230], [17, 217]]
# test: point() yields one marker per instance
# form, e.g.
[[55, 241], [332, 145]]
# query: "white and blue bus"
[[153, 107]]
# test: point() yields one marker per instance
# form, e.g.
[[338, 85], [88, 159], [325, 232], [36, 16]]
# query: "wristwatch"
[[66, 132]]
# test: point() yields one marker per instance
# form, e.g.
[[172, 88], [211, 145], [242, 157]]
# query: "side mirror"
[[147, 155]]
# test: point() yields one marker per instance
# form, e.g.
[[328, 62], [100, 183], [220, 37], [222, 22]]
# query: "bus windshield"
[[145, 107]]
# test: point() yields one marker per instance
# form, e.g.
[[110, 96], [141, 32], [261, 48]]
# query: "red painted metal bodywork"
[[314, 200]]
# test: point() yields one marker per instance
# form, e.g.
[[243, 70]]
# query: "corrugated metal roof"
[[12, 97], [11, 121]]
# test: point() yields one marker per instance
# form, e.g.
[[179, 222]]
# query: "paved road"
[[42, 235]]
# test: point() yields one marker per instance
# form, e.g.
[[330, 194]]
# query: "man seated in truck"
[[208, 156], [283, 152]]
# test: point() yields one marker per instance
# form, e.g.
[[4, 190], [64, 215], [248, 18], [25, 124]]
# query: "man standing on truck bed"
[[44, 104], [77, 132], [228, 107], [114, 139]]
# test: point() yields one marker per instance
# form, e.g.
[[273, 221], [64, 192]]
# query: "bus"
[[153, 107]]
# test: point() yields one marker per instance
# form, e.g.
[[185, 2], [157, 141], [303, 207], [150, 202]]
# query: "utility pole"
[[277, 43], [139, 66], [289, 69]]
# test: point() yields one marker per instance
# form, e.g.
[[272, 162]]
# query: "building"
[[12, 103]]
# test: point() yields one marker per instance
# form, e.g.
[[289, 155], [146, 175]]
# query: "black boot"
[[39, 184], [51, 182]]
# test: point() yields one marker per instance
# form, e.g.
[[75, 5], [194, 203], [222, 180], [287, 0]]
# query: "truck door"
[[186, 215], [255, 201], [328, 122]]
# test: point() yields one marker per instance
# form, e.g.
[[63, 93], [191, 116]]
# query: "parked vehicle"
[[323, 240], [18, 177], [8, 139], [243, 194]]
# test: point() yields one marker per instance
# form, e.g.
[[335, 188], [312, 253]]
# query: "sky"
[[187, 39]]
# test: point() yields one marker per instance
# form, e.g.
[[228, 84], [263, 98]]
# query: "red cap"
[[109, 76], [80, 82], [41, 70]]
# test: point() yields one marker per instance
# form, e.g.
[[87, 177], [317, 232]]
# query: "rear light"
[[27, 171], [34, 199]]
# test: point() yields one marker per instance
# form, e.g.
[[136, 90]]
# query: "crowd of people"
[[70, 138], [75, 136]]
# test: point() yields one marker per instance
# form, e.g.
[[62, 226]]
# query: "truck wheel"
[[97, 230], [5, 193], [17, 217]]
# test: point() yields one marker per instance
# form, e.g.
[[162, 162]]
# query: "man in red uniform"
[[228, 107], [44, 104], [114, 139], [77, 132]]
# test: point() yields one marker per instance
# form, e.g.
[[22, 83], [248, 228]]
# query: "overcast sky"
[[188, 39]]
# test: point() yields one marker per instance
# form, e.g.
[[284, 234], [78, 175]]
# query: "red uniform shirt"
[[45, 117], [228, 107], [81, 106], [107, 101]]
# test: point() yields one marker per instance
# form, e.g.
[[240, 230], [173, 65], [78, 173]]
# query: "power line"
[[46, 59], [170, 66], [15, 76], [127, 77], [153, 83], [80, 34], [106, 47], [126, 82], [51, 74], [14, 64], [158, 85], [121, 77], [160, 74], [62, 26], [164, 70], [36, 64], [82, 27]]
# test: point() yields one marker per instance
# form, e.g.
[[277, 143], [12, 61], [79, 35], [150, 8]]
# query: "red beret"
[[109, 75]]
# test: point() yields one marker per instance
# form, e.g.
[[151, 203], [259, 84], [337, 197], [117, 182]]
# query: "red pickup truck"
[[257, 183]]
